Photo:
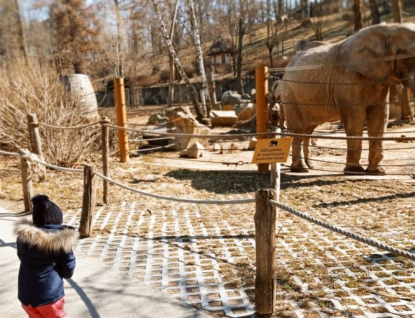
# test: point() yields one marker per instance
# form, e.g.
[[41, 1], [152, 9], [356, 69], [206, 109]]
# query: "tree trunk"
[[211, 85], [374, 12], [357, 10], [20, 32], [119, 39], [239, 65], [199, 53], [397, 11], [170, 98], [271, 62], [172, 52]]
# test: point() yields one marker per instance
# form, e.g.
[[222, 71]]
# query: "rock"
[[157, 119], [230, 98], [181, 121], [223, 118], [252, 144], [245, 111], [194, 151]]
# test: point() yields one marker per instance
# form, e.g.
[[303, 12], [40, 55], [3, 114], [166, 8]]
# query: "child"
[[44, 248]]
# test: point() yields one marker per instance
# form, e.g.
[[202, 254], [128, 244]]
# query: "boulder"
[[230, 98], [245, 111], [194, 151], [223, 118], [252, 143], [157, 119], [182, 121]]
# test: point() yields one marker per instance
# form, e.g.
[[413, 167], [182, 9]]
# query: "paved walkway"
[[95, 290]]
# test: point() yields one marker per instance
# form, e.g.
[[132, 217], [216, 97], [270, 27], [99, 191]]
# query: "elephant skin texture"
[[347, 81]]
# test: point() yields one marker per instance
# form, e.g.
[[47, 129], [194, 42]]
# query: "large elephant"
[[347, 81]]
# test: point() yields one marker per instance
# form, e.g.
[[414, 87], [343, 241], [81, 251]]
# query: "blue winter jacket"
[[46, 258]]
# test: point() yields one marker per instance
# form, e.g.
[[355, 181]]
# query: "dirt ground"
[[319, 272]]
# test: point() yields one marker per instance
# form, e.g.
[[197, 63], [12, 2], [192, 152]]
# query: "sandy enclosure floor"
[[204, 254]]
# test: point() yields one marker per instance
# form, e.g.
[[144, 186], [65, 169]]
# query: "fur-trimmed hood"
[[48, 240]]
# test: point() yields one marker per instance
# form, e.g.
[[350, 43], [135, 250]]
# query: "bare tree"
[[119, 39], [172, 52], [272, 33], [374, 11], [172, 74], [199, 54], [75, 28], [357, 10], [20, 31], [397, 10]]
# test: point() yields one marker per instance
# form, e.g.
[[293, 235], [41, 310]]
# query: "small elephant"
[[348, 80]]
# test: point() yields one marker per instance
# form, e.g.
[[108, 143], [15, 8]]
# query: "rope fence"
[[357, 237]]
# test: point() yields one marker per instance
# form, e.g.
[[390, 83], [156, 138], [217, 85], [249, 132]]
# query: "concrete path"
[[95, 290]]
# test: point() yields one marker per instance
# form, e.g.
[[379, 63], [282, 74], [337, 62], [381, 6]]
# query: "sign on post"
[[273, 150]]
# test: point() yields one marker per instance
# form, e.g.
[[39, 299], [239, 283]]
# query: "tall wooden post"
[[261, 84], [27, 184], [105, 156], [121, 111], [88, 201], [36, 142], [265, 229]]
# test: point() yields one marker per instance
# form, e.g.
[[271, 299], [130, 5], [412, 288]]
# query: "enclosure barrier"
[[265, 225]]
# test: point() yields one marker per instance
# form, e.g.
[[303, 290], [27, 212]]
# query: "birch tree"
[[199, 113], [172, 74], [199, 54]]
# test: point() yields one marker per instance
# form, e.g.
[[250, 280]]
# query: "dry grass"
[[27, 89]]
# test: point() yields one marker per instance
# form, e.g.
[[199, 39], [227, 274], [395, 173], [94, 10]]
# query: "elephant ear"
[[365, 52]]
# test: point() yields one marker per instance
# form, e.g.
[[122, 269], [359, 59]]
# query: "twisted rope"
[[283, 134], [7, 153], [354, 236], [58, 167], [32, 158], [69, 128], [235, 201]]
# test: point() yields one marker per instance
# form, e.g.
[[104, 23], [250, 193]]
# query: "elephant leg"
[[306, 147], [376, 126], [281, 120], [298, 164], [353, 127]]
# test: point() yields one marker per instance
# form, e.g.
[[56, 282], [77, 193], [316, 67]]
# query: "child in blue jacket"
[[44, 248]]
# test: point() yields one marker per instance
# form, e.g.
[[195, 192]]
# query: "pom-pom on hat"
[[45, 211]]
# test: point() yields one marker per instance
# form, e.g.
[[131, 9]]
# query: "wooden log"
[[105, 156], [261, 87], [88, 201], [36, 143], [26, 183], [265, 229]]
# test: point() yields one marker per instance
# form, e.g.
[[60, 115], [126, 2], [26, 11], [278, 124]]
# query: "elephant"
[[347, 81]]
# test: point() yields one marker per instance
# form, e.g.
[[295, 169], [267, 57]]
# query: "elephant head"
[[383, 53]]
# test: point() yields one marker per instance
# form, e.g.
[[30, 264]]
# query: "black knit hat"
[[45, 211]]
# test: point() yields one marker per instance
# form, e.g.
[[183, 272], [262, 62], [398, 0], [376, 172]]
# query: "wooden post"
[[26, 182], [265, 227], [261, 86], [276, 173], [121, 118], [105, 156], [36, 143], [88, 201]]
